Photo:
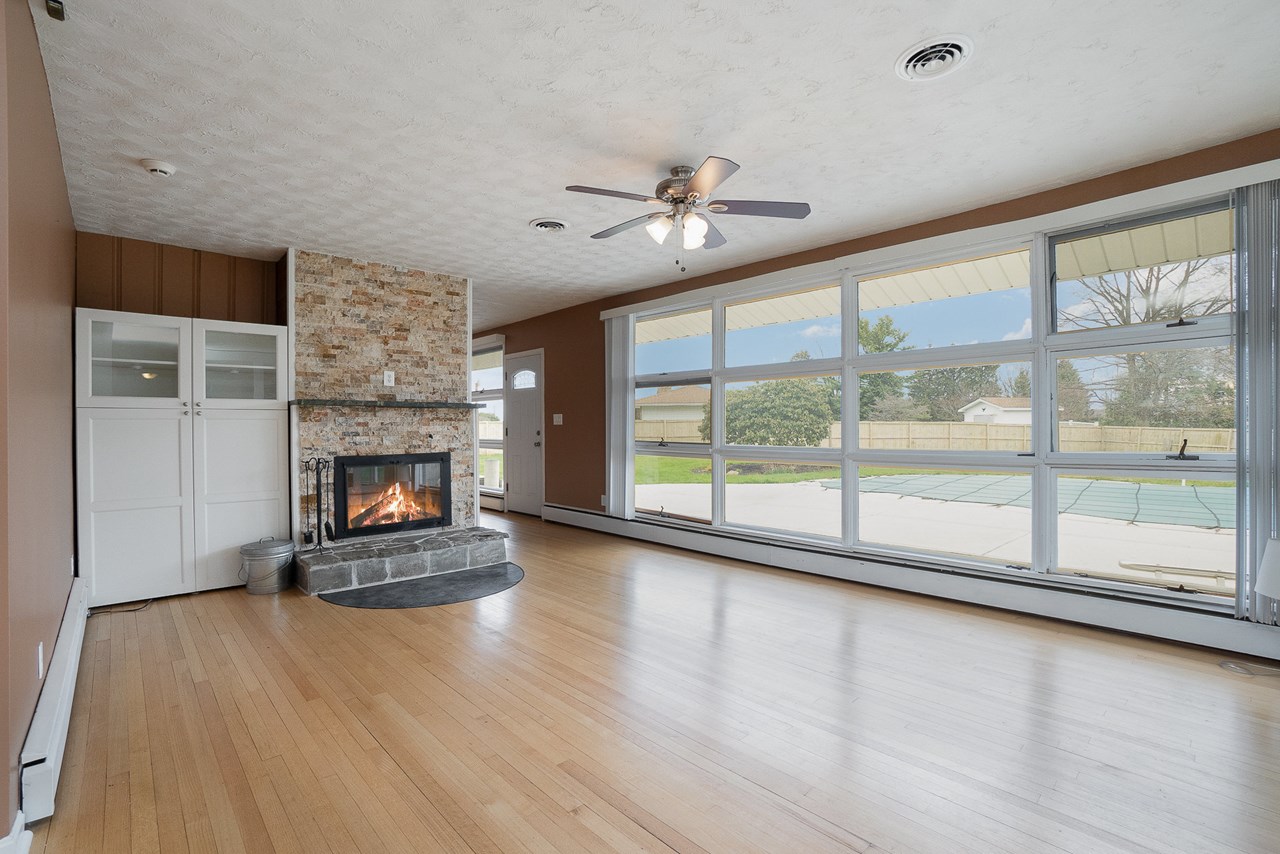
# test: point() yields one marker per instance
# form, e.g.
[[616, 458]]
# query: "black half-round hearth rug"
[[444, 589]]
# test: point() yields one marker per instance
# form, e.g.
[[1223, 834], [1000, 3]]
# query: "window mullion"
[[717, 411]]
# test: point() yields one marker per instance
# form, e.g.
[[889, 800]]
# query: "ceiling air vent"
[[934, 58], [548, 226]]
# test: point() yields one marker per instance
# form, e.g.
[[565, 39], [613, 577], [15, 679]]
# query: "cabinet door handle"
[[184, 403], [199, 403], [199, 413], [186, 412]]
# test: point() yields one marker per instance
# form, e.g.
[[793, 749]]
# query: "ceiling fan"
[[687, 194]]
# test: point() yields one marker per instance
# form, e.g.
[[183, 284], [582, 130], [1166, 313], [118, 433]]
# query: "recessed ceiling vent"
[[934, 58], [548, 226]]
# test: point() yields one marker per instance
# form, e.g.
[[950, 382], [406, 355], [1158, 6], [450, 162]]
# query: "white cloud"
[[1023, 332], [818, 330]]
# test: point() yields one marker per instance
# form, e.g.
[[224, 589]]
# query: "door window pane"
[[1148, 401], [801, 498], [675, 342], [673, 486], [133, 360], [789, 328], [792, 412], [673, 414], [979, 514], [239, 366], [976, 300], [1170, 532], [524, 379], [960, 408], [1157, 272], [489, 421]]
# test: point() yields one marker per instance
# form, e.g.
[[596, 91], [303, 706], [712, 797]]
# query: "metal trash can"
[[265, 566]]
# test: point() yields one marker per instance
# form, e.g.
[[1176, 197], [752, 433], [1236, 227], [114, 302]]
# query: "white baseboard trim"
[[19, 839], [47, 737], [1168, 623]]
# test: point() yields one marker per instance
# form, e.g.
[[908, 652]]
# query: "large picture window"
[[1061, 408]]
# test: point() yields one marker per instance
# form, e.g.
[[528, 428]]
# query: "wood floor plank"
[[630, 697]]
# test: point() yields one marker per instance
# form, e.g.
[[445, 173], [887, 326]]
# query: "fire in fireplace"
[[385, 494]]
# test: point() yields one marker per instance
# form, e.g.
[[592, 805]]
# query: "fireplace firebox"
[[390, 493]]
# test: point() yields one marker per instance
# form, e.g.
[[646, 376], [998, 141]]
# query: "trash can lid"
[[268, 547]]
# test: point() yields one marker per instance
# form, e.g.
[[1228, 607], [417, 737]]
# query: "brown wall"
[[573, 339], [37, 399], [154, 278]]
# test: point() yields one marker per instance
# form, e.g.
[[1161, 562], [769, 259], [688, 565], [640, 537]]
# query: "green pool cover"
[[1168, 504]]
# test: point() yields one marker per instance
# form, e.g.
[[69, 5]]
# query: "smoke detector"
[[158, 167], [934, 58], [545, 225]]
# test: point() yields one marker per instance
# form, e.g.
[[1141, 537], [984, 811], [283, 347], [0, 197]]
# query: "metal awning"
[[484, 361], [1002, 272], [1174, 241]]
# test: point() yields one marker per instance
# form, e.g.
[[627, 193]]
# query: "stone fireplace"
[[356, 322]]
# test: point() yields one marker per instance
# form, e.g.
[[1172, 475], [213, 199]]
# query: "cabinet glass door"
[[240, 363], [131, 360]]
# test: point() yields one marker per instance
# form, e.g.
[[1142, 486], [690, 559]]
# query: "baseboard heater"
[[47, 737]]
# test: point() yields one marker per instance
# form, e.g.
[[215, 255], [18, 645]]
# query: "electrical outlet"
[[388, 378], [40, 661]]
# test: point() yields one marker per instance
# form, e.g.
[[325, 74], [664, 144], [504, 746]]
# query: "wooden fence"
[[968, 436]]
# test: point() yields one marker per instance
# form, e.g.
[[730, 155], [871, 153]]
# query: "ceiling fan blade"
[[713, 237], [747, 207], [618, 194], [623, 226], [711, 174]]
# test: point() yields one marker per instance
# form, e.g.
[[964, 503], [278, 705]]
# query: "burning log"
[[388, 504]]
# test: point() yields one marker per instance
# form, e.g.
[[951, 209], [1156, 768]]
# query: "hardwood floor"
[[627, 697]]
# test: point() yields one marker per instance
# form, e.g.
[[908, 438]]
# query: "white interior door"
[[136, 520], [241, 487], [523, 450]]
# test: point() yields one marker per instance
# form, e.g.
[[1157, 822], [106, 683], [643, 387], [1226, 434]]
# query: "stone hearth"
[[378, 561]]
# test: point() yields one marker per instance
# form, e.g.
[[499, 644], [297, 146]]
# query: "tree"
[[1149, 294], [797, 411], [1172, 388], [1019, 385], [942, 391], [1073, 396], [879, 337], [777, 412]]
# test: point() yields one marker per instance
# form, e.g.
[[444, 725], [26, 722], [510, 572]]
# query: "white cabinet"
[[153, 362], [182, 451]]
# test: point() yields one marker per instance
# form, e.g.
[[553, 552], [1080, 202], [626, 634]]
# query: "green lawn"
[[698, 470]]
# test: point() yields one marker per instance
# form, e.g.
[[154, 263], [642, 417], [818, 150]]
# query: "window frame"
[[485, 396], [1043, 462]]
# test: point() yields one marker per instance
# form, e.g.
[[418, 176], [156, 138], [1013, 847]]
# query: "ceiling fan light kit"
[[687, 193]]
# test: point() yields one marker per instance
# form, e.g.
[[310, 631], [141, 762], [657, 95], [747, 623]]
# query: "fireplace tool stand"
[[318, 471]]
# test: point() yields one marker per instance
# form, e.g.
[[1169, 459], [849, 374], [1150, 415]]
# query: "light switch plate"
[[557, 419]]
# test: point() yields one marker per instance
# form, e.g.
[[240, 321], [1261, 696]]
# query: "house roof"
[[1000, 403], [686, 395]]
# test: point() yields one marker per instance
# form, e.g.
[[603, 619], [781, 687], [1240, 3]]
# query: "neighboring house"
[[678, 403], [998, 410]]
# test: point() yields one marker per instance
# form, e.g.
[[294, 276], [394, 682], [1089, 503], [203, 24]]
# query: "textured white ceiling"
[[430, 133]]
